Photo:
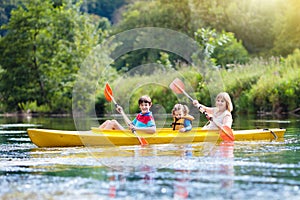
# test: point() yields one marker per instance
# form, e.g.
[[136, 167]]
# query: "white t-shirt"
[[220, 119]]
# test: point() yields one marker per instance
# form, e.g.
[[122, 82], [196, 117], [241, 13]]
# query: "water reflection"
[[226, 169], [186, 171], [175, 179]]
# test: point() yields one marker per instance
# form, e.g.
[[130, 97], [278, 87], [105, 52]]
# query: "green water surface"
[[246, 170]]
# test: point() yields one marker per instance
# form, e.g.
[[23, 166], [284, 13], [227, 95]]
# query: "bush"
[[128, 90], [31, 106], [222, 48], [271, 85], [265, 85]]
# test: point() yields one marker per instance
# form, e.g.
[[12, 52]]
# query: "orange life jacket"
[[179, 123]]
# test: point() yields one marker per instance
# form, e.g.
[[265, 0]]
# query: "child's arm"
[[203, 108], [187, 126], [151, 127]]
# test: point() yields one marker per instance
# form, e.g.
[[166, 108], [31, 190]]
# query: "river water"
[[245, 170]]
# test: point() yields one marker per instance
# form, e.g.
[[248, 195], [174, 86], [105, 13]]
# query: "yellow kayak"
[[100, 137]]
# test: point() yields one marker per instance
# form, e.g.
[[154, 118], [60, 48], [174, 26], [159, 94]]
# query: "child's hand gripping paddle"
[[109, 97], [225, 132]]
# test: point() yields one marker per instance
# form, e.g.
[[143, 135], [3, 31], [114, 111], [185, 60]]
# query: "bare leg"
[[116, 126], [112, 125], [105, 124]]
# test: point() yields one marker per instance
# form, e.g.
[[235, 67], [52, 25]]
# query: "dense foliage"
[[253, 43], [41, 54], [266, 85]]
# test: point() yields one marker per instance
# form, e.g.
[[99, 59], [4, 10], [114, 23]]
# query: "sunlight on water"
[[245, 170]]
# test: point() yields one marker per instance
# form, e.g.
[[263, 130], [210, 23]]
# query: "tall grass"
[[265, 85], [154, 83], [262, 85]]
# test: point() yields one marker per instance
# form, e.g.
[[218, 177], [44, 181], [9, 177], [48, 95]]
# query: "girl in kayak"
[[182, 119], [221, 113], [144, 121]]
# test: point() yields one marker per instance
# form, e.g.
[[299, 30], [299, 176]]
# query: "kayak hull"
[[100, 137]]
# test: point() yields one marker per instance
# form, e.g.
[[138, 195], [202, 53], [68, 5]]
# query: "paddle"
[[109, 97], [225, 132]]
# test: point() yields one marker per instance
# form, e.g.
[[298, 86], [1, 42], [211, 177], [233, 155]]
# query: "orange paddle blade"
[[108, 92], [226, 134], [143, 141], [177, 86], [109, 97]]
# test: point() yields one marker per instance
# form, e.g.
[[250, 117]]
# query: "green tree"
[[42, 52], [251, 21], [210, 13], [221, 48], [287, 28], [103, 8], [5, 8], [172, 14]]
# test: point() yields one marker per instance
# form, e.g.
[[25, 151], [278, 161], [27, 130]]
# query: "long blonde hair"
[[226, 97]]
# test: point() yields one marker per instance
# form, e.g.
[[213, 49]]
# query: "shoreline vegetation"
[[262, 87], [253, 48], [266, 85], [295, 113]]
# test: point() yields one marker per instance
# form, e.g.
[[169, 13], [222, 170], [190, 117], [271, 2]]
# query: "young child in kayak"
[[221, 113], [144, 121], [182, 119]]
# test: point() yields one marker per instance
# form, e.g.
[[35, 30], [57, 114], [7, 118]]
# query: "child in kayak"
[[221, 113], [182, 119], [144, 121]]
